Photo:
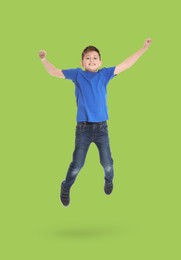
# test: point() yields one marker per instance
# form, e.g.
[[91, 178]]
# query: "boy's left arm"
[[132, 59]]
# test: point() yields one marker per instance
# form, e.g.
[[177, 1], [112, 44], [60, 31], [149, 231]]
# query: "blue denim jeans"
[[87, 133]]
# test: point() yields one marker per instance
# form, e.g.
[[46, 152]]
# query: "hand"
[[147, 42], [42, 54]]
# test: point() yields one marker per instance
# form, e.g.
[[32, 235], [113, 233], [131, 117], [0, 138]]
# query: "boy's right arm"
[[49, 67]]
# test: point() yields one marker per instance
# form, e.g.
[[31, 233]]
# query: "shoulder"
[[72, 69], [79, 71], [107, 71], [71, 73]]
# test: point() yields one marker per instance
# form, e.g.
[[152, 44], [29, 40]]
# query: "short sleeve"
[[70, 74], [108, 73]]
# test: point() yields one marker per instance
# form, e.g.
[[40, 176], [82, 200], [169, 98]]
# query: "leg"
[[82, 143], [74, 168], [102, 143], [77, 163], [106, 160]]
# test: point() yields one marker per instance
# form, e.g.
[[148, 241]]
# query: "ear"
[[81, 63], [100, 63]]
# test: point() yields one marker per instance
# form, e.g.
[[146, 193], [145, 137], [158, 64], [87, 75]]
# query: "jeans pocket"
[[104, 128], [81, 128]]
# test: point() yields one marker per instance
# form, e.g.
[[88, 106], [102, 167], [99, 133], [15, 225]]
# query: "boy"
[[90, 90]]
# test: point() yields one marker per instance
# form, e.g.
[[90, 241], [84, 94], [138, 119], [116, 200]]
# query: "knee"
[[108, 168], [76, 166]]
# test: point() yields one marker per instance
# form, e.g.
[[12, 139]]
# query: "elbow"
[[53, 73], [127, 65], [57, 73]]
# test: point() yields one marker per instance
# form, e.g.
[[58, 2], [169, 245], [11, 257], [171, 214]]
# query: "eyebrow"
[[95, 55]]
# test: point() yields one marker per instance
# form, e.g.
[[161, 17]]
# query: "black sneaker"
[[108, 187], [64, 195]]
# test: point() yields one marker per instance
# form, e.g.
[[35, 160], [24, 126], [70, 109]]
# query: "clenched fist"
[[42, 54]]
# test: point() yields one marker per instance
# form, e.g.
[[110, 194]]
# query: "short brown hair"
[[90, 48]]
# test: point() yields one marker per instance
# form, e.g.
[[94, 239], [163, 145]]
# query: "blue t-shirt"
[[90, 92]]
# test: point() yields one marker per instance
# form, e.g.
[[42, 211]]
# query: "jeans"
[[87, 133]]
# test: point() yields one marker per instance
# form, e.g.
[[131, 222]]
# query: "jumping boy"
[[92, 115]]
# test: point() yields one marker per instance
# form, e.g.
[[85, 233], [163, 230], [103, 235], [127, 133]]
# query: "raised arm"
[[132, 59], [49, 67]]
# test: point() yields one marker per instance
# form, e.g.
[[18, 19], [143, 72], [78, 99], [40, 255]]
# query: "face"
[[91, 61]]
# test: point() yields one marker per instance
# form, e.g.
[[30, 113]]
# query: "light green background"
[[141, 219]]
